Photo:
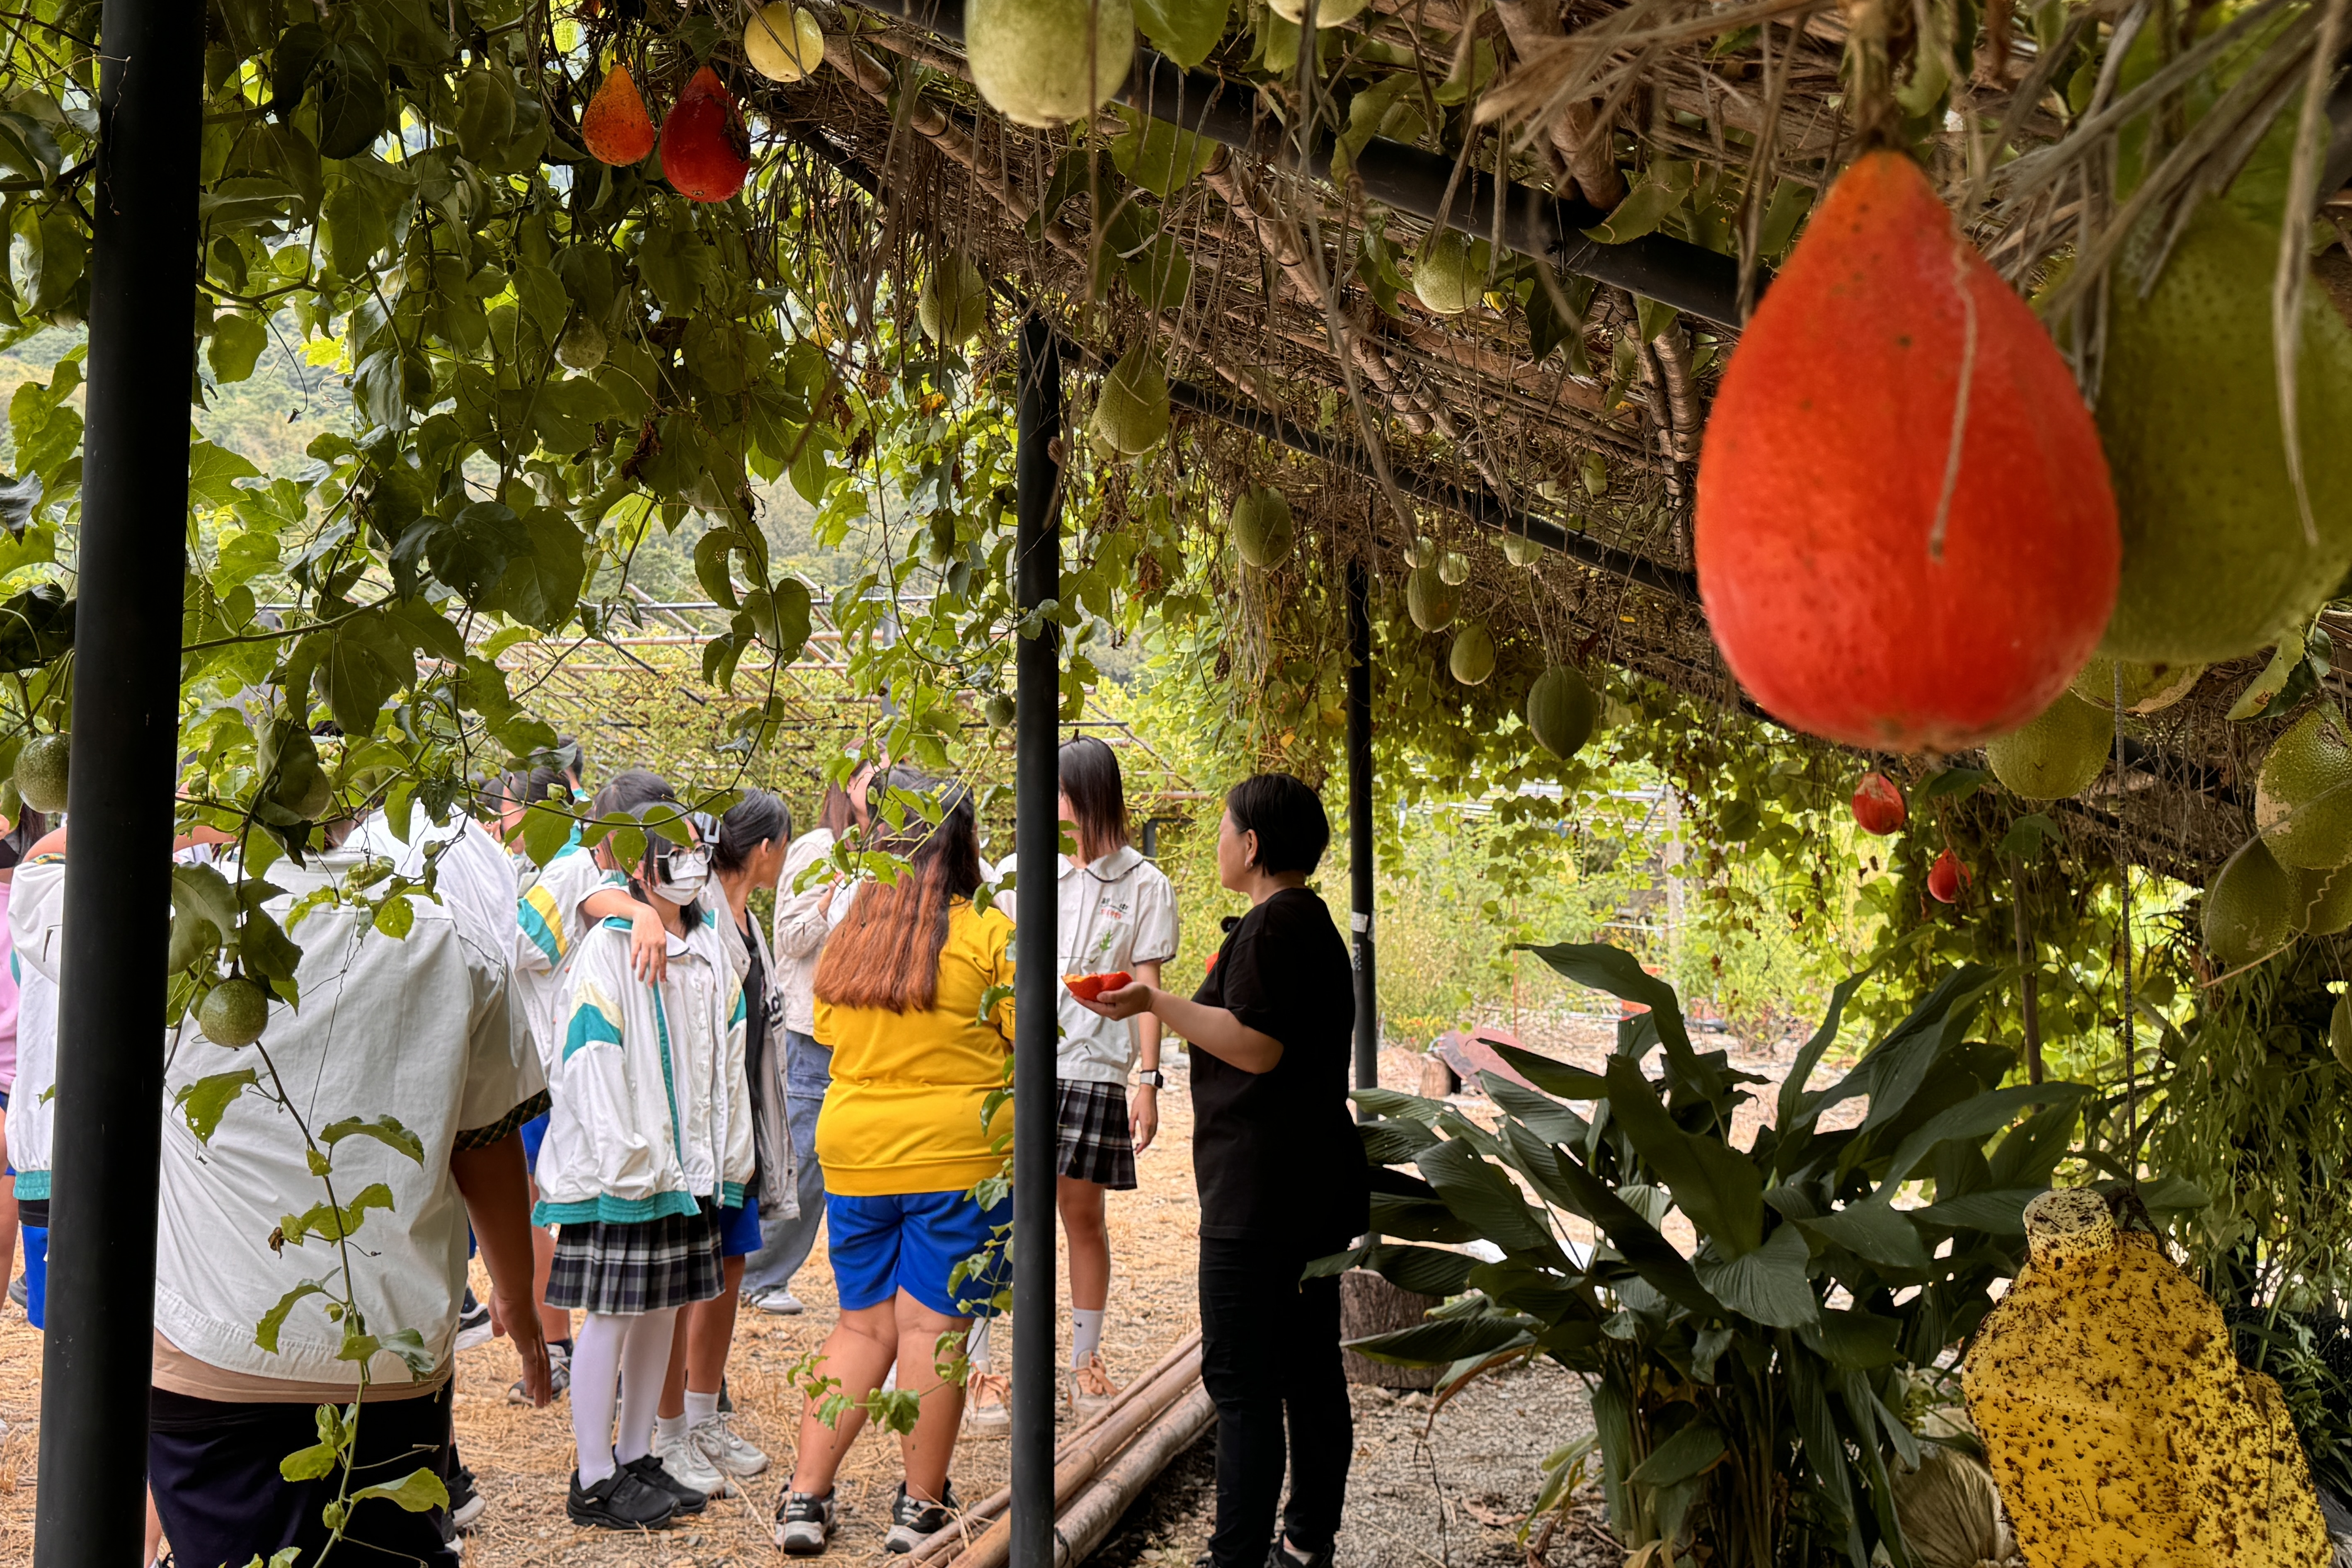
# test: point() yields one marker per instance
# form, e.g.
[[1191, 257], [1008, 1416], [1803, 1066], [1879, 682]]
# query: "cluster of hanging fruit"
[[1880, 808], [706, 152]]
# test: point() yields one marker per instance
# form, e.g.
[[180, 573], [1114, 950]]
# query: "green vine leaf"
[[419, 1492], [265, 1331], [385, 1129], [204, 1102]]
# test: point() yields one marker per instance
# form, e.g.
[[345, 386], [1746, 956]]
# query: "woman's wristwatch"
[[1152, 1078]]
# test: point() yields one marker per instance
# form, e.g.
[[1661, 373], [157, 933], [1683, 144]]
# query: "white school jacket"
[[552, 924], [36, 909], [652, 1109]]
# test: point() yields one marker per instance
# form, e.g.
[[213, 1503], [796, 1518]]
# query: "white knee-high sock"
[[595, 1385], [645, 1362], [975, 1347]]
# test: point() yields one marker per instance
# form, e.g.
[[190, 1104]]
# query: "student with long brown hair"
[[898, 1000]]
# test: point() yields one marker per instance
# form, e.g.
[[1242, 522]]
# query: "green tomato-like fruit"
[[1450, 273], [1044, 63], [1002, 711], [1472, 657], [2058, 752], [2302, 796], [41, 772], [2216, 563], [1561, 711], [1430, 599], [233, 1013], [952, 309], [583, 345], [2248, 912], [1261, 528], [1131, 414]]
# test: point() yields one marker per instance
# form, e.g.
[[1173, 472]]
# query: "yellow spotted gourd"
[[2120, 1427]]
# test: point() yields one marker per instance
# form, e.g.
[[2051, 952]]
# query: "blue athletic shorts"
[[534, 1132], [36, 1275], [738, 1230], [913, 1242]]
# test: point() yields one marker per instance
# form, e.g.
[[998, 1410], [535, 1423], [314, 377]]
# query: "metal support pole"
[[1037, 816], [1359, 827], [142, 277]]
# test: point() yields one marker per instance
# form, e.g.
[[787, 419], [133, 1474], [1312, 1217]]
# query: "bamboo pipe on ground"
[[1082, 1527], [993, 1505], [1091, 1458]]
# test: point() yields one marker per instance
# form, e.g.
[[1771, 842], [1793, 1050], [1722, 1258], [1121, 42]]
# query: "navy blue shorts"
[[914, 1242], [738, 1230], [534, 1132]]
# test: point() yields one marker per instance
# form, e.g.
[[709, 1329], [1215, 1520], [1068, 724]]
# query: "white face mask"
[[688, 870]]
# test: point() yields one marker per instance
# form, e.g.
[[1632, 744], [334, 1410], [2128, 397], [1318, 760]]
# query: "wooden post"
[[1370, 1305]]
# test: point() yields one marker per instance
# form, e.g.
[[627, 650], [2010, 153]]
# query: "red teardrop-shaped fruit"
[[705, 151], [1865, 581], [1878, 805], [616, 127], [1948, 878]]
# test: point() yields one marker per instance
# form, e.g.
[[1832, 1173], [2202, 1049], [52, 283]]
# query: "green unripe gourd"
[[1131, 414], [1561, 711], [1044, 63], [1261, 528], [1430, 599], [2302, 796], [1472, 657], [2058, 752], [2247, 909], [41, 769]]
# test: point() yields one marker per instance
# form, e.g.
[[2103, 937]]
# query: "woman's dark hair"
[[529, 786], [634, 793], [751, 822], [1288, 817], [886, 953], [838, 813], [1091, 778]]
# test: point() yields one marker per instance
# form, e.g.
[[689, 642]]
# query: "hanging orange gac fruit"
[[705, 150], [1905, 536], [615, 125]]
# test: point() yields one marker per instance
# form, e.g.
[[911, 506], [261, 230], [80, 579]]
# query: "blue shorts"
[[738, 1230], [36, 1275], [534, 1132], [913, 1242]]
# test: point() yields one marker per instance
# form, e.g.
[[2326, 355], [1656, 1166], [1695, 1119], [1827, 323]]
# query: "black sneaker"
[[649, 1470], [914, 1521], [620, 1501], [465, 1502], [1280, 1555], [804, 1523]]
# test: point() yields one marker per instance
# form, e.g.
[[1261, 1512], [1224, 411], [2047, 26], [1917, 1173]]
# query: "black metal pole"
[[1037, 818], [143, 279], [1359, 827]]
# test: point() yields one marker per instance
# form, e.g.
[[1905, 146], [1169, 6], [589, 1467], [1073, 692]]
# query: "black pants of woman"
[[1270, 1352]]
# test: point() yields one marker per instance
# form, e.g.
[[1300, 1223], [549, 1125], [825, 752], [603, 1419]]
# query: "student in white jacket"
[[650, 1138]]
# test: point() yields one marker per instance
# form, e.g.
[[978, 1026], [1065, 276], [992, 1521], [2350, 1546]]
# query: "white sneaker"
[[682, 1457], [726, 1451], [783, 1303]]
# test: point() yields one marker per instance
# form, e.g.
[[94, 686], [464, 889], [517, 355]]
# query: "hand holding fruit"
[[1127, 1001]]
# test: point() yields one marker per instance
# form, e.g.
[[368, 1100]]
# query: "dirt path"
[[1450, 1500]]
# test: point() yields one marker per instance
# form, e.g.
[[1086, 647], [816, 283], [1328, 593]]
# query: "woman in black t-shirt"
[[1281, 1175]]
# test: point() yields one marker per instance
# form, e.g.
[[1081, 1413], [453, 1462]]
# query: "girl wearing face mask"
[[649, 1144]]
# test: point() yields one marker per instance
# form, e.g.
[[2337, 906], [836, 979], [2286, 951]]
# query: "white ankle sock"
[[671, 1429], [975, 1347], [700, 1407], [1085, 1334]]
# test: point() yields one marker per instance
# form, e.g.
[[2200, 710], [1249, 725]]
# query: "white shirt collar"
[[1110, 869]]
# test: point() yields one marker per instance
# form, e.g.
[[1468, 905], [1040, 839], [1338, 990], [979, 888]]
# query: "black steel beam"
[[1413, 179], [1480, 506], [1360, 825], [1037, 818], [142, 282]]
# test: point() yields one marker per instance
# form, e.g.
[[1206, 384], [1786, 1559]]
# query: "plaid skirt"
[[647, 1266], [1095, 1144]]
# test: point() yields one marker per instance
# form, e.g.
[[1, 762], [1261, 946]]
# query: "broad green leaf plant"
[[1755, 1322]]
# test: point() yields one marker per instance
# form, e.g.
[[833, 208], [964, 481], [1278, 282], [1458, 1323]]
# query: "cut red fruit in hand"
[[705, 151], [1878, 805], [1087, 987], [1948, 878], [616, 127]]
